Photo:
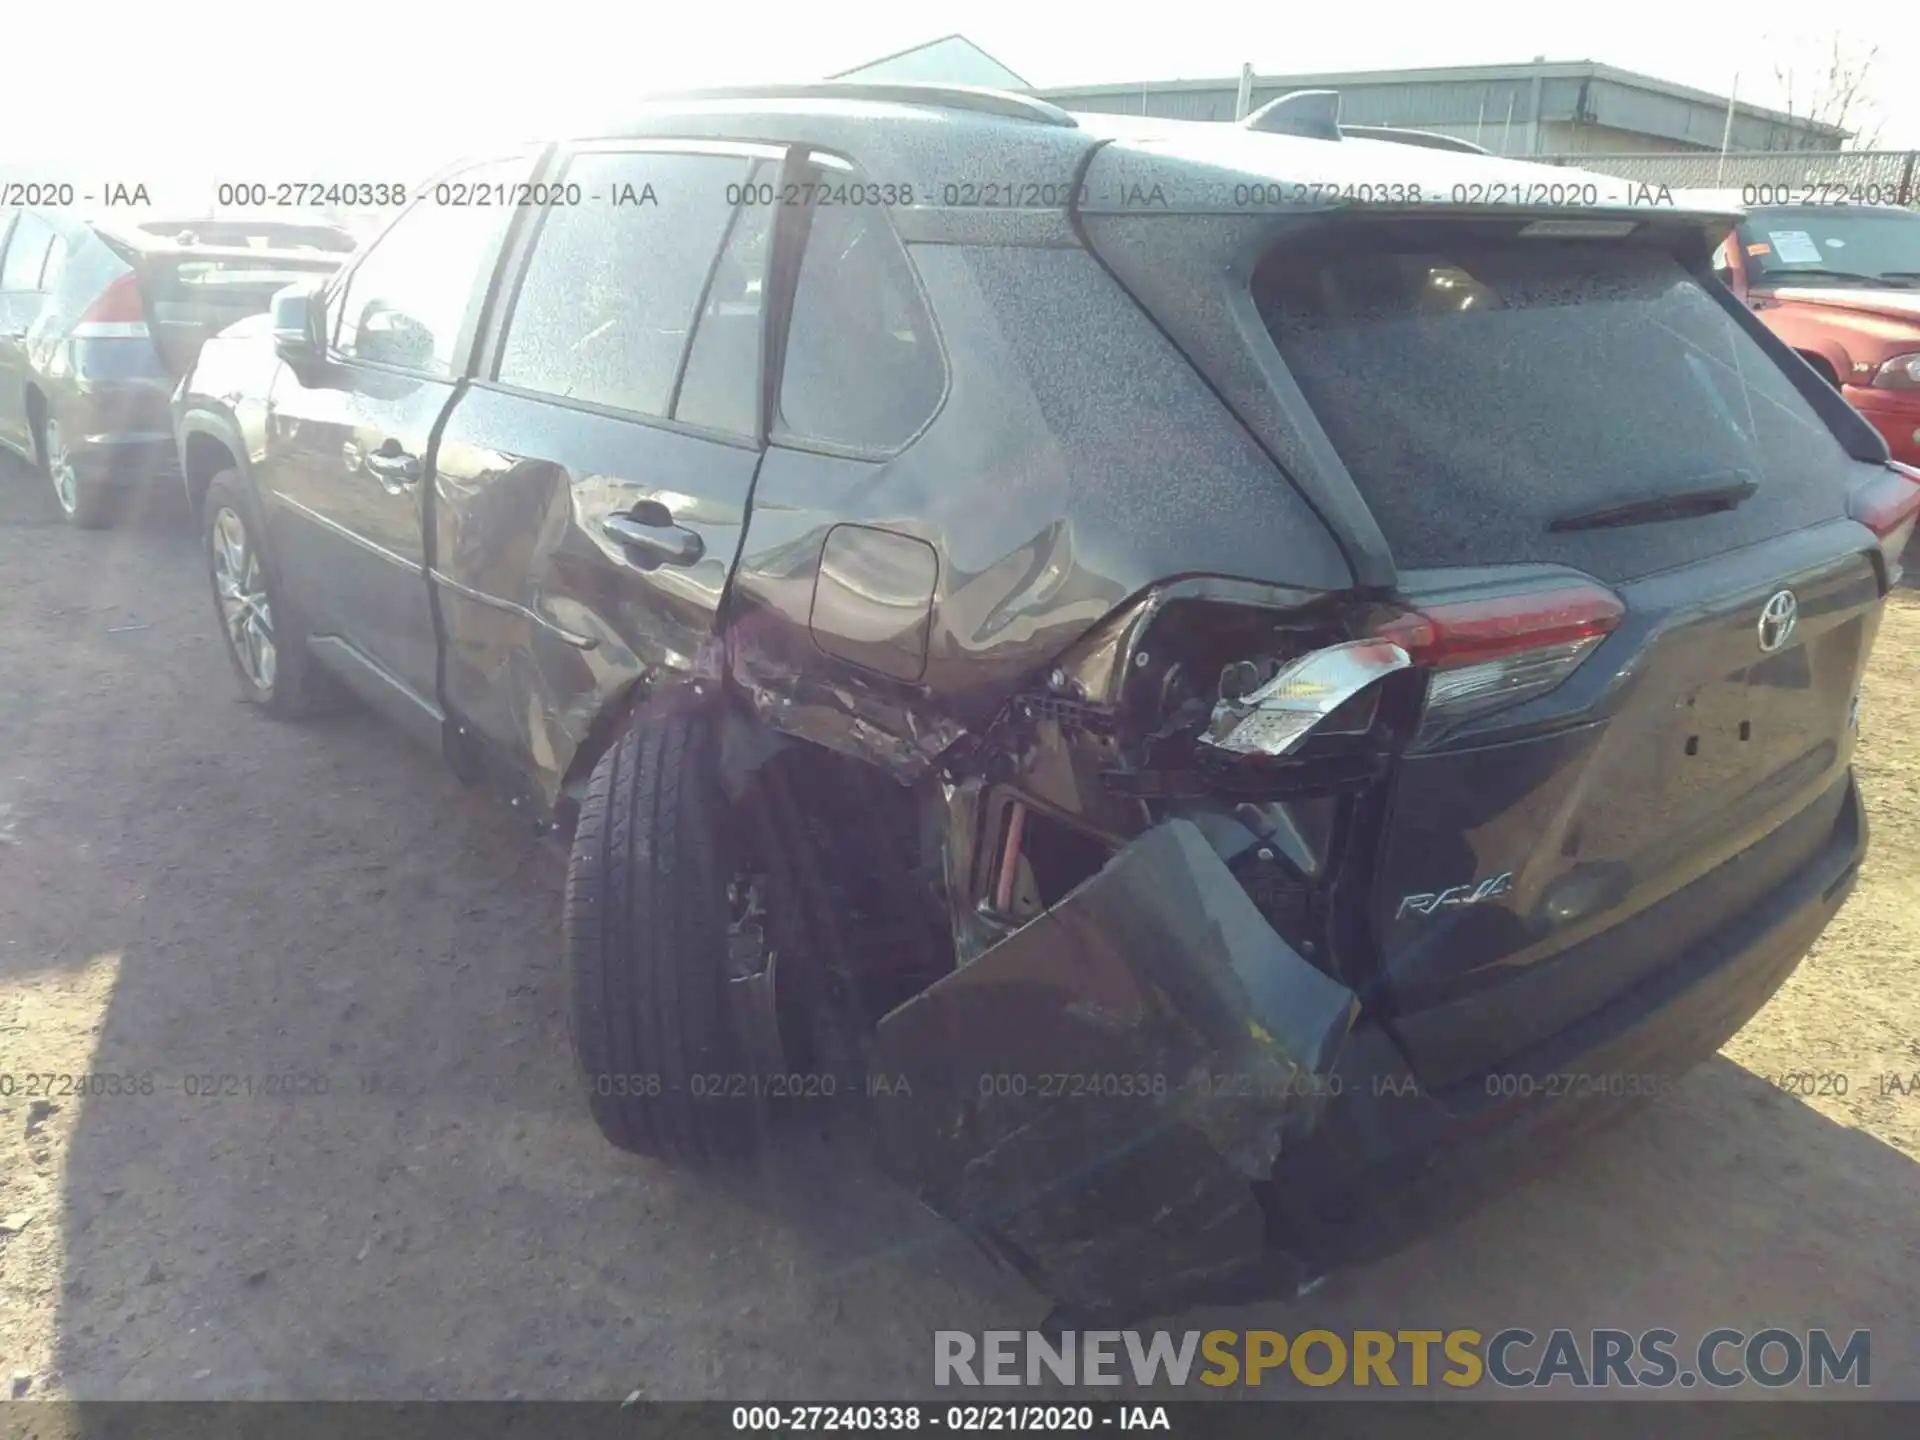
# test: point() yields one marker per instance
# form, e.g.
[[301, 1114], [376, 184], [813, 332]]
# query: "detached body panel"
[[1099, 1094]]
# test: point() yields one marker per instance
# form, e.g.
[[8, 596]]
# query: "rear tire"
[[646, 943], [263, 638], [85, 501]]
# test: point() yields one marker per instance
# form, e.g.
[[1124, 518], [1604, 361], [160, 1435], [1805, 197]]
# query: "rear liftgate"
[[1096, 1095]]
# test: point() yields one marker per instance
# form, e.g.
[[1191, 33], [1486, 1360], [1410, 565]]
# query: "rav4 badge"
[[1458, 895]]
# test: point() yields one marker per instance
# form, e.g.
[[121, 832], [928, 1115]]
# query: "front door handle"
[[651, 536]]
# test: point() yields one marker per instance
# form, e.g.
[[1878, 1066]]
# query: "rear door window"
[[26, 255], [863, 369], [608, 301], [1482, 389]]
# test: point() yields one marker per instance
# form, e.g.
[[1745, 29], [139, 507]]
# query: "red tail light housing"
[[118, 312], [1890, 508], [1490, 651]]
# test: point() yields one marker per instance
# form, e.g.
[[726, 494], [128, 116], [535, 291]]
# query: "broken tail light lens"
[[1493, 651], [1890, 509], [1277, 717]]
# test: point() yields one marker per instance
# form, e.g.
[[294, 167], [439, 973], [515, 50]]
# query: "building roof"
[[952, 59], [1454, 74]]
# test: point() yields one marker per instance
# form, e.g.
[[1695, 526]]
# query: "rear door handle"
[[651, 535]]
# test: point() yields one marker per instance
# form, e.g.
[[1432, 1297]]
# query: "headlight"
[[1902, 372]]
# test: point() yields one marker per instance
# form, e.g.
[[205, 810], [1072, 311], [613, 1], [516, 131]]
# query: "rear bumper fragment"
[[1146, 1099], [1096, 1096]]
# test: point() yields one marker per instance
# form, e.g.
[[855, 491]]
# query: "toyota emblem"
[[1777, 619]]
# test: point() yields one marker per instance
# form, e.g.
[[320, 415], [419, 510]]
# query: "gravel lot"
[[187, 889]]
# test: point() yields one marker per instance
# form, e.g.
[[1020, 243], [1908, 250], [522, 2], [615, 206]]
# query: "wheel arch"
[[208, 444], [1823, 365]]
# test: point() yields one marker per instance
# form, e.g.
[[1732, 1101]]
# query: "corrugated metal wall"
[[1498, 113]]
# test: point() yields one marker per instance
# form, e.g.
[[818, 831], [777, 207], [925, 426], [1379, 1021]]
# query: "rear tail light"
[[1490, 652], [118, 313], [1890, 508]]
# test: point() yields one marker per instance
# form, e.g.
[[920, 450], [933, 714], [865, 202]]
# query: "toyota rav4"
[[1230, 696]]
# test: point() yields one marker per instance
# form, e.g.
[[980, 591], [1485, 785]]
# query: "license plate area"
[[1746, 725]]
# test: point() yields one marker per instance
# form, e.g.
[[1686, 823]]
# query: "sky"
[[353, 90]]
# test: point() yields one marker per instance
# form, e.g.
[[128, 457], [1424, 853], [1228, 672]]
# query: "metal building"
[[950, 60], [1534, 109]]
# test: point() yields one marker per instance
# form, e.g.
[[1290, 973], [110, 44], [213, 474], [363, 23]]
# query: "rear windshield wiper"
[[1723, 493]]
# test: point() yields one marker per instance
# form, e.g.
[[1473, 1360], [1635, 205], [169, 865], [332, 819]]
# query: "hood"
[[1892, 304]]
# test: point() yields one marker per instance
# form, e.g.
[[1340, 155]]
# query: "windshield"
[[1857, 245]]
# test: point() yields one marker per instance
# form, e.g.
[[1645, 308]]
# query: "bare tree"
[[1838, 93]]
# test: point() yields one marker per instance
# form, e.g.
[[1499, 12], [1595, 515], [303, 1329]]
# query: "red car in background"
[[1841, 284]]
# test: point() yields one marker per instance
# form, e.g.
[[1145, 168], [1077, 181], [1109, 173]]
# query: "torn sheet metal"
[[1096, 1094]]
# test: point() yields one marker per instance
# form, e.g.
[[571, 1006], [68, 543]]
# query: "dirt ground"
[[187, 889]]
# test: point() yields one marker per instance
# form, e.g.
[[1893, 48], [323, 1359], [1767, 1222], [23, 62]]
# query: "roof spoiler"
[[1314, 114]]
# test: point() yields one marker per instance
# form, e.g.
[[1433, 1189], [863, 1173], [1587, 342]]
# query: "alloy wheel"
[[66, 480], [244, 607]]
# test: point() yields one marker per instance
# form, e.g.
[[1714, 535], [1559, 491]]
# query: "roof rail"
[[977, 99], [1312, 113], [1426, 139]]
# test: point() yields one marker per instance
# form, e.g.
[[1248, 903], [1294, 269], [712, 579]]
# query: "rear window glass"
[[1479, 390]]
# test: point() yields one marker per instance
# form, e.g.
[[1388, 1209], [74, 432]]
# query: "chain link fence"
[[1885, 177]]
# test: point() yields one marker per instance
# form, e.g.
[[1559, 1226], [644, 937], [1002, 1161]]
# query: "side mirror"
[[299, 331]]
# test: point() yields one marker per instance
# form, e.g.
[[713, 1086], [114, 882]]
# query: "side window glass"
[[721, 385], [26, 254], [607, 304], [862, 368], [406, 303]]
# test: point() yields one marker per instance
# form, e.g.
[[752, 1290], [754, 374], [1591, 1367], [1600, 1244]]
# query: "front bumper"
[[1145, 1099]]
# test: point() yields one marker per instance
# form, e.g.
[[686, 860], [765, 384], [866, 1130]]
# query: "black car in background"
[[98, 320], [1226, 718]]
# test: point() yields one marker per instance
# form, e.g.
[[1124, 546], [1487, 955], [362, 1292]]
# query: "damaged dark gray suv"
[[1232, 685]]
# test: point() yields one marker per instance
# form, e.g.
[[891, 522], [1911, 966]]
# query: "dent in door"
[[549, 620]]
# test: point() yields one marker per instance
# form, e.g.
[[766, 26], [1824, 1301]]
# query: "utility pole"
[[1726, 135], [1243, 101]]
